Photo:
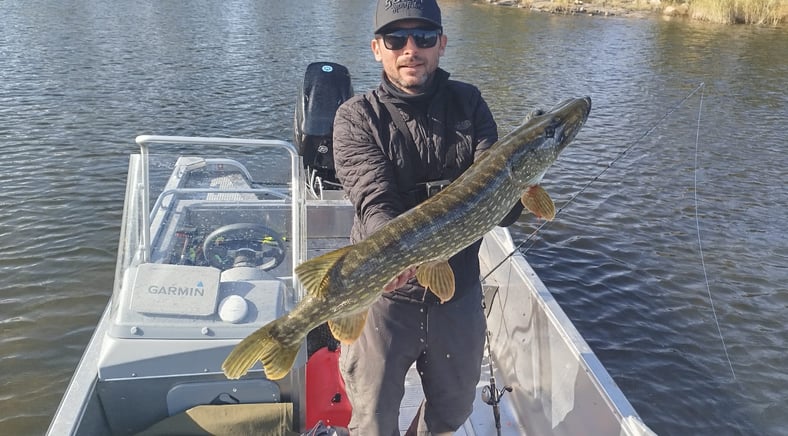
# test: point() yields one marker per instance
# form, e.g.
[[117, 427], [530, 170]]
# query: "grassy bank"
[[763, 12]]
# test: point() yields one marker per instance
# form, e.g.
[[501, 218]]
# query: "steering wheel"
[[244, 244]]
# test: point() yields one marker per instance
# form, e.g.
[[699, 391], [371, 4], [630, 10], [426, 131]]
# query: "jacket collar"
[[392, 93]]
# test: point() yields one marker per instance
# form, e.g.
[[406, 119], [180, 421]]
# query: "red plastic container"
[[326, 399]]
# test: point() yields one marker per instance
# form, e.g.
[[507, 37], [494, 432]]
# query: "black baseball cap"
[[391, 11]]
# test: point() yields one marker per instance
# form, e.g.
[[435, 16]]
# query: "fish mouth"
[[568, 117]]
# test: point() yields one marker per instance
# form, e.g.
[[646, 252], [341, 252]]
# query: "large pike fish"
[[342, 284]]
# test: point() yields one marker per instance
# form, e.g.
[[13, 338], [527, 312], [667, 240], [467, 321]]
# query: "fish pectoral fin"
[[438, 277], [538, 201], [260, 345], [348, 328], [313, 273]]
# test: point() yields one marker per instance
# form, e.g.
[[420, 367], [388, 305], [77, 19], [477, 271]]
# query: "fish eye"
[[549, 131]]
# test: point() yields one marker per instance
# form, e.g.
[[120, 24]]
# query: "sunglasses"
[[423, 38]]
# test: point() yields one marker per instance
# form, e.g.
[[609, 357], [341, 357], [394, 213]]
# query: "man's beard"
[[416, 88]]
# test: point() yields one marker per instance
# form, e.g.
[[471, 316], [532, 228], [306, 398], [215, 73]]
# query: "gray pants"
[[445, 340]]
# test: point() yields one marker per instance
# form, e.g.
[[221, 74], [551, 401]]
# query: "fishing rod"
[[490, 394]]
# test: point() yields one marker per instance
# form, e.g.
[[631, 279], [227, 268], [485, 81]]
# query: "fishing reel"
[[492, 395]]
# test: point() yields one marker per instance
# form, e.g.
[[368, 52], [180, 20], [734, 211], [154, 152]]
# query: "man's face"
[[410, 68]]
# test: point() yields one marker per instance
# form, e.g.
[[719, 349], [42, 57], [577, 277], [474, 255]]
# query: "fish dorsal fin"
[[348, 328], [313, 273], [438, 277], [538, 201]]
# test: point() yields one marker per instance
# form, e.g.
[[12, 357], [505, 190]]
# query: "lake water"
[[80, 79]]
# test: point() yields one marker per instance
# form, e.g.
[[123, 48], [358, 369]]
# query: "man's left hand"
[[400, 280]]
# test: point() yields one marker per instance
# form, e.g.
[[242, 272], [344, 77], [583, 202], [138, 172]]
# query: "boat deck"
[[481, 421]]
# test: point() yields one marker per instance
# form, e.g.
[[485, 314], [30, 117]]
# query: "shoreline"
[[607, 8], [616, 8]]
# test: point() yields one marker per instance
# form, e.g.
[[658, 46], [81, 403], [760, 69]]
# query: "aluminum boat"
[[212, 229]]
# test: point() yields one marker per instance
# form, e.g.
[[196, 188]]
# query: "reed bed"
[[769, 12], [763, 12]]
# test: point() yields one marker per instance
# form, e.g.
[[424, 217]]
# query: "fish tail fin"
[[277, 358]]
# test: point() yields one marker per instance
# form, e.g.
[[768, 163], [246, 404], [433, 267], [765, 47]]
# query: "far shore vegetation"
[[761, 12]]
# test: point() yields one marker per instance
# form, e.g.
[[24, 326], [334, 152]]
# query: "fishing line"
[[700, 244], [648, 131], [487, 305], [532, 235]]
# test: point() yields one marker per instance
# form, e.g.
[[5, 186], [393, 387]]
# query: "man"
[[394, 146]]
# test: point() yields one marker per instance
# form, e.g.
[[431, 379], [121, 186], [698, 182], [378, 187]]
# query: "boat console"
[[209, 264]]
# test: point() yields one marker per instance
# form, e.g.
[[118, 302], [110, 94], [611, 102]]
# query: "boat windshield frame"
[[138, 244]]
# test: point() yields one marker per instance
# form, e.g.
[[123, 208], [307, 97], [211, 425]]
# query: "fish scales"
[[342, 284]]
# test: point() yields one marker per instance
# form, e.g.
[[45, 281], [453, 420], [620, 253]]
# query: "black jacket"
[[383, 173]]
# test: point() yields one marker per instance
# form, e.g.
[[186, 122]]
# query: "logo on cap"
[[395, 5]]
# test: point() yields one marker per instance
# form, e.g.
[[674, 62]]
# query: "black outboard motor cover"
[[326, 86]]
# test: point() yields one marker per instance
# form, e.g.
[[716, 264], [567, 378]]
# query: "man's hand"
[[400, 280]]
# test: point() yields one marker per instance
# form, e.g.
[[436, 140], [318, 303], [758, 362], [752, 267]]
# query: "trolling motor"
[[326, 86]]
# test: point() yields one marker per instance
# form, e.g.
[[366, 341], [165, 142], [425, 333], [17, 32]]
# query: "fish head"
[[560, 124], [540, 139]]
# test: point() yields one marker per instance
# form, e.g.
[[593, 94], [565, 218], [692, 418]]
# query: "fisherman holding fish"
[[394, 147], [411, 158]]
